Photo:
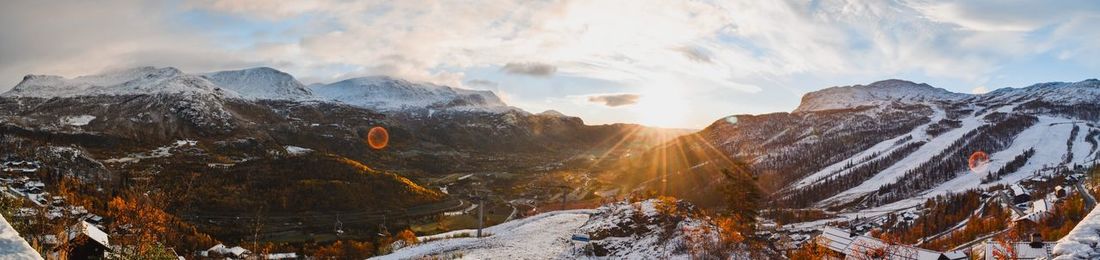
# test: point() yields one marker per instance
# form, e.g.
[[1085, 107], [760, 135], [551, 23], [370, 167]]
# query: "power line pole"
[[480, 213]]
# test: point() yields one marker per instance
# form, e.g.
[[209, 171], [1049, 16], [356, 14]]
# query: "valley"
[[165, 159]]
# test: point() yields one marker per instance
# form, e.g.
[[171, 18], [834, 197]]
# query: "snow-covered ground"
[[1083, 242], [12, 246], [537, 237], [81, 120], [159, 152], [295, 150]]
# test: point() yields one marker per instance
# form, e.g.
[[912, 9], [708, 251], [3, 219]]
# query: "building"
[[1019, 194], [221, 251], [87, 242], [20, 166], [1036, 249], [1040, 209], [849, 245]]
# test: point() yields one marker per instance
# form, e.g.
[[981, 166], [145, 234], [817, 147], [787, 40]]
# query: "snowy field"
[[1083, 242], [543, 236], [12, 246]]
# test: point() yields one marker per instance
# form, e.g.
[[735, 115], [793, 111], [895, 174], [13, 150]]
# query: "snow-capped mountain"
[[905, 92], [1065, 93], [261, 83], [386, 93], [141, 80], [878, 93]]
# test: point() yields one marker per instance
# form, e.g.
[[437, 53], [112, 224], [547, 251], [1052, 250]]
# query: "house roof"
[[835, 239], [841, 241], [91, 231], [1023, 250], [221, 249], [1017, 190]]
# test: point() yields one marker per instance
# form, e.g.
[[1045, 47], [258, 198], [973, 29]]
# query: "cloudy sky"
[[664, 63]]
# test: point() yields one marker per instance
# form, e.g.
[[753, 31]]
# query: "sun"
[[661, 107]]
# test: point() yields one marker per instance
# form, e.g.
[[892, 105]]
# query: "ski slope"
[[926, 152], [1048, 138], [882, 149]]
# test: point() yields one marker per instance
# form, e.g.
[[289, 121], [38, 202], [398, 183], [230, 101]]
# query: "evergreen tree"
[[742, 194]]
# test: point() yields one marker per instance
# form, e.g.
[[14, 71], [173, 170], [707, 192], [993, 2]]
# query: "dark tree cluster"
[[1010, 167], [943, 126], [1093, 138], [940, 214], [1069, 143], [1084, 111]]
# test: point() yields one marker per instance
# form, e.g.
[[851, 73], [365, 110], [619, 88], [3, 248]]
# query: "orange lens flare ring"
[[378, 138], [978, 161]]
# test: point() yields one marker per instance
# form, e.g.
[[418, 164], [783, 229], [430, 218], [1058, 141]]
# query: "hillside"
[[888, 145], [624, 230]]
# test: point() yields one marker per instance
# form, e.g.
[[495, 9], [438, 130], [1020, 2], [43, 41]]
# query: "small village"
[[31, 204], [1029, 207]]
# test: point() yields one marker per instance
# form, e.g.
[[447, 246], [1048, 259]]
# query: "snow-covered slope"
[[142, 80], [543, 236], [1083, 242], [650, 229], [261, 83], [878, 93], [655, 229], [12, 246], [1065, 93], [386, 93], [893, 144]]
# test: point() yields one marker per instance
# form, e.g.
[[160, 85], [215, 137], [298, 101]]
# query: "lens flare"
[[378, 138], [978, 161]]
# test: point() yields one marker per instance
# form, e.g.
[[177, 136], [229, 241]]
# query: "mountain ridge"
[[895, 90], [261, 83]]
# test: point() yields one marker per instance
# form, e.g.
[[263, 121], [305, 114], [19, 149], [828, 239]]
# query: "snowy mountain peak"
[[134, 81], [1066, 93], [877, 93], [261, 83], [386, 93]]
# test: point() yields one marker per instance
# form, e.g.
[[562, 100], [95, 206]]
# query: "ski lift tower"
[[564, 194], [480, 199]]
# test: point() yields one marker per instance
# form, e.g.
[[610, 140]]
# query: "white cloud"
[[745, 47]]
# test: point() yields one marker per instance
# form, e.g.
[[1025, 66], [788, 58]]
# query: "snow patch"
[[81, 120], [295, 150]]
